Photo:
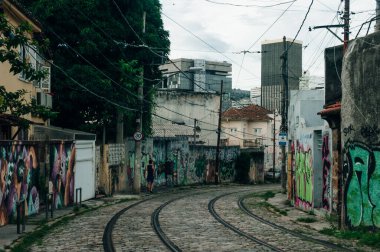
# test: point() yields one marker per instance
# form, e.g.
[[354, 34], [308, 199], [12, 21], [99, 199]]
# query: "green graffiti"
[[304, 174], [200, 166], [227, 170], [363, 186], [374, 189]]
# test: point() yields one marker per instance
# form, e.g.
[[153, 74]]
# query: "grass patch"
[[36, 236], [272, 208], [44, 228], [363, 236], [307, 219]]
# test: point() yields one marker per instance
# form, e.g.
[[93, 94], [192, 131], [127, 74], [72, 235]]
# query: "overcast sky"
[[220, 29]]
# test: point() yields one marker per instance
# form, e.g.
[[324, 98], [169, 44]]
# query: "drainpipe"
[[377, 26]]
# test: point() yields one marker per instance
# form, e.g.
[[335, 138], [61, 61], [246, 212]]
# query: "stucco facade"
[[361, 133], [181, 108], [15, 16]]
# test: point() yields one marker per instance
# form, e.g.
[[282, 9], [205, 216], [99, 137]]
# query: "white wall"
[[85, 169], [183, 107]]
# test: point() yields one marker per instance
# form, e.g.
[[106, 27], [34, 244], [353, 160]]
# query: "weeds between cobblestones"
[[307, 219], [362, 235], [45, 227]]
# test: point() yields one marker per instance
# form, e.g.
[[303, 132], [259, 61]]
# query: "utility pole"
[[377, 26], [195, 131], [137, 170], [346, 17], [218, 138], [274, 144], [284, 120]]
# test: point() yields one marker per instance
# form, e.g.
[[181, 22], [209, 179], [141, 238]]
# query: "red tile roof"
[[249, 113]]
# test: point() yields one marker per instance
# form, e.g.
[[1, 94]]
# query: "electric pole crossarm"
[[333, 33], [328, 28]]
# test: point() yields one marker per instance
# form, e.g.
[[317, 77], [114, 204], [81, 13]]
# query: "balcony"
[[253, 143]]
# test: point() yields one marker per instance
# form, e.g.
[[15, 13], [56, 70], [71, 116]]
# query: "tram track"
[[108, 243], [211, 207], [327, 244]]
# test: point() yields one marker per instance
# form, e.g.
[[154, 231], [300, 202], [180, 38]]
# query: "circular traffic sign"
[[138, 136]]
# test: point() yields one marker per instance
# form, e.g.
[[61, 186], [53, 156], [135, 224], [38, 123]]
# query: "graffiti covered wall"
[[360, 133], [20, 179], [178, 163], [195, 164], [62, 160], [362, 189], [303, 176], [326, 177]]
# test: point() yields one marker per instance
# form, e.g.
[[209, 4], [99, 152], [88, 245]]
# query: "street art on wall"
[[326, 176], [176, 164], [192, 166], [362, 187], [303, 176], [62, 160], [19, 180]]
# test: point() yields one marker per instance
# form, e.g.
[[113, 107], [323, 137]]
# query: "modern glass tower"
[[271, 71]]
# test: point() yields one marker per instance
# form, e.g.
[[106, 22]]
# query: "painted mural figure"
[[19, 180], [362, 193], [62, 174], [149, 174]]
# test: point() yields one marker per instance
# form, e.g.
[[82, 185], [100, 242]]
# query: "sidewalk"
[[294, 214], [8, 233]]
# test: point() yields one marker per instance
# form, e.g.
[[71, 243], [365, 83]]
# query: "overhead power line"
[[249, 5]]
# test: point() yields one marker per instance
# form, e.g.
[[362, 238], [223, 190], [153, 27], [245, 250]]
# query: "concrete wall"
[[360, 132], [201, 106], [188, 164]]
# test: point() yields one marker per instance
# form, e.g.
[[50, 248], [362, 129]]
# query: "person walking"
[[149, 171]]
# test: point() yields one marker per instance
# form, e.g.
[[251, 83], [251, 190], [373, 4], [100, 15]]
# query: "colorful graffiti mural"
[[326, 176], [62, 160], [362, 187], [19, 180], [303, 176]]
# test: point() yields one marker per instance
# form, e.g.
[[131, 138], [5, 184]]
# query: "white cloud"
[[231, 29]]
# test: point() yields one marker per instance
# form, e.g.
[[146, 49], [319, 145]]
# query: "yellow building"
[[15, 14]]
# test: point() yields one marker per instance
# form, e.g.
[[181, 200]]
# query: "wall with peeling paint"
[[176, 162], [201, 106], [361, 133]]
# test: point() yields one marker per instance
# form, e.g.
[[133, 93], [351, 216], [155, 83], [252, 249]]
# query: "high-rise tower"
[[271, 72]]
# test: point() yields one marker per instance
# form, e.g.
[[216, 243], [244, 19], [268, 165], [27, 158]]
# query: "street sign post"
[[138, 136], [282, 139]]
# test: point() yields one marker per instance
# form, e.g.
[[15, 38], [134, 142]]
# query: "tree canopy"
[[99, 51]]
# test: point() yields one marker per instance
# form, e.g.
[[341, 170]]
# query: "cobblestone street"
[[187, 223]]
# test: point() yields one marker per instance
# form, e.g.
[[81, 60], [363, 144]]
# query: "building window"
[[233, 130], [27, 55], [257, 131]]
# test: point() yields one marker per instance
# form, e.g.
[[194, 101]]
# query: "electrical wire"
[[249, 5]]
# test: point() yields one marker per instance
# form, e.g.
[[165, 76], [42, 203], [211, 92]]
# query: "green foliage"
[[100, 50], [306, 219], [242, 168], [267, 195], [14, 102], [362, 235]]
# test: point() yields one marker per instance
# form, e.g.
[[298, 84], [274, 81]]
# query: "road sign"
[[138, 136], [282, 139]]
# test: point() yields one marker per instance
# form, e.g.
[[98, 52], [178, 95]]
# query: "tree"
[[11, 38], [99, 53]]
